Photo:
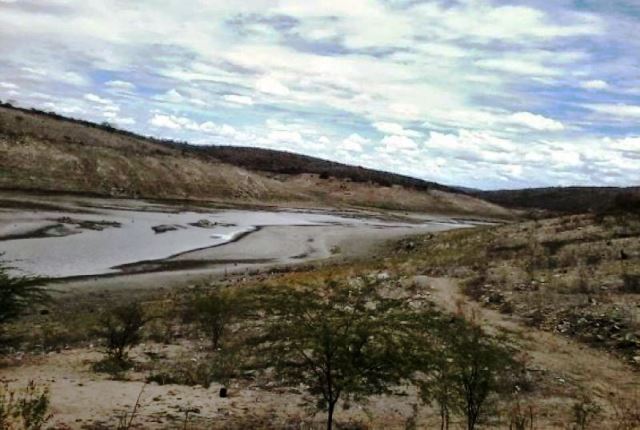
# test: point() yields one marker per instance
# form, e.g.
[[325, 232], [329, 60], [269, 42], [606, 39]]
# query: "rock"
[[410, 245], [204, 223], [383, 276], [163, 228], [563, 326]]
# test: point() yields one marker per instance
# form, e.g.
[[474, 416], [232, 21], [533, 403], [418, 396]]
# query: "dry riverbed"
[[81, 239]]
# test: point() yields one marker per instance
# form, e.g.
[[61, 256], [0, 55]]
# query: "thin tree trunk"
[[330, 415], [444, 417]]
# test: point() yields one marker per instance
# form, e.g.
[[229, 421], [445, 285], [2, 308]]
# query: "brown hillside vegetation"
[[45, 152], [574, 200]]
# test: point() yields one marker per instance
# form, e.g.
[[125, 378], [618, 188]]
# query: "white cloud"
[[120, 85], [103, 104], [272, 86], [391, 128], [479, 20], [176, 97], [124, 121], [219, 130], [566, 158], [536, 122], [174, 122], [238, 99], [594, 85], [623, 111], [285, 136], [62, 108], [472, 146], [164, 121], [518, 66], [627, 144], [97, 99], [8, 86], [398, 143], [472, 72], [354, 143]]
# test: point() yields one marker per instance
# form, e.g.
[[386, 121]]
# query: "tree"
[[479, 368], [343, 342], [440, 387], [19, 293], [121, 328], [463, 372], [214, 312]]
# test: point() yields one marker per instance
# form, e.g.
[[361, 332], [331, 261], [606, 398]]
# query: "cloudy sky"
[[480, 93]]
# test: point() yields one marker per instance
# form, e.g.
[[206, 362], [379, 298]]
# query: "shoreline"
[[286, 238]]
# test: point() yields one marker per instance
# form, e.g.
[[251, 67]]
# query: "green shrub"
[[19, 293]]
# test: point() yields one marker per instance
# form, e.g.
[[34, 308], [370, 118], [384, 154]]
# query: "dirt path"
[[572, 366]]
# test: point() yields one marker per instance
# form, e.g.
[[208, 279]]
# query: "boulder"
[[163, 228]]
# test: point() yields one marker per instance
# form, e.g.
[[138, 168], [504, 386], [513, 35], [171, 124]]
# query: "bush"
[[214, 313], [121, 328], [585, 411], [631, 283], [220, 368], [19, 293], [521, 417], [28, 410], [185, 372]]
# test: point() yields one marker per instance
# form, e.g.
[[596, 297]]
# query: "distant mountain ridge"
[[565, 199]]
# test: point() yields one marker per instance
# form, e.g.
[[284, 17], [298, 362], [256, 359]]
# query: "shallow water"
[[89, 252]]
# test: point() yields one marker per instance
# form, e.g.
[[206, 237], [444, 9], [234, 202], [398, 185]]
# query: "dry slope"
[[45, 152]]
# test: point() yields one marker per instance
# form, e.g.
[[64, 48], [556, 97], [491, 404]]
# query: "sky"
[[487, 94]]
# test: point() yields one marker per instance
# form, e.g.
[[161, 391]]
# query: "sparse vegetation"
[[214, 312], [376, 337], [120, 327], [18, 294], [341, 341], [585, 412], [469, 372], [26, 409]]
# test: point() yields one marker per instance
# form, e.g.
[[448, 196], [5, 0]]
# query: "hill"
[[572, 200], [47, 152]]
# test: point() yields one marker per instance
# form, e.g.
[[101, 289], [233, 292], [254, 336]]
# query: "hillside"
[[46, 152], [572, 200]]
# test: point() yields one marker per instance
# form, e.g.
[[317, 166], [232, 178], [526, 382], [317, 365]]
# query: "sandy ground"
[[572, 366], [81, 396]]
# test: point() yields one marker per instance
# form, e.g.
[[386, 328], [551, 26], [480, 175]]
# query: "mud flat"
[[84, 239]]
